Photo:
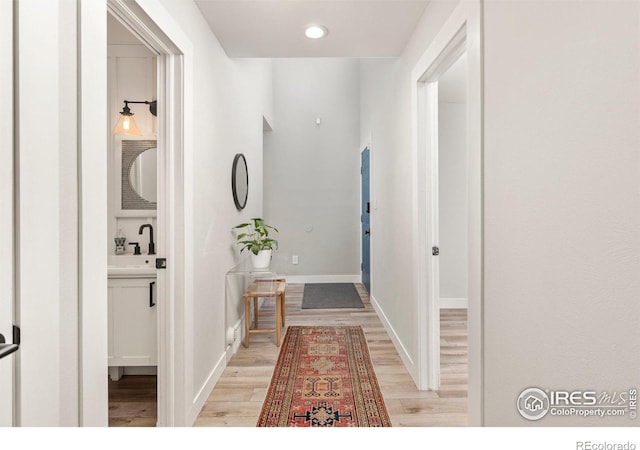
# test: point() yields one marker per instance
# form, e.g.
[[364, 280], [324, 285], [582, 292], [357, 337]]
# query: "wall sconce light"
[[126, 124]]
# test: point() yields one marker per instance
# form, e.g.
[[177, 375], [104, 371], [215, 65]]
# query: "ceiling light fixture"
[[315, 32]]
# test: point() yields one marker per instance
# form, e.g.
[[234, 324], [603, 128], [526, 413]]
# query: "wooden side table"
[[274, 288]]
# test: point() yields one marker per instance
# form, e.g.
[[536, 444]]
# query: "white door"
[[6, 208]]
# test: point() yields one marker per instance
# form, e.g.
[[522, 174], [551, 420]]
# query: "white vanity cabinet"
[[132, 324]]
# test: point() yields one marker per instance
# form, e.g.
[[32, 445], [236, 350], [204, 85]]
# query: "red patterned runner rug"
[[324, 378]]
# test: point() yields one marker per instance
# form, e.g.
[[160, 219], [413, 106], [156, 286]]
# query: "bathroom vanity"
[[132, 316]]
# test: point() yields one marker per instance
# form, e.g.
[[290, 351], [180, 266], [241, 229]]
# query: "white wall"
[[312, 172], [92, 164], [562, 206], [227, 110], [385, 123], [453, 239]]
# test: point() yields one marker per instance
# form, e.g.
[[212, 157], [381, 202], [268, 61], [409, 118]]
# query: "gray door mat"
[[331, 295]]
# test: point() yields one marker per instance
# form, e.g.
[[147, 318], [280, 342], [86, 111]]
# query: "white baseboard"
[[205, 391], [397, 343], [454, 303], [302, 279]]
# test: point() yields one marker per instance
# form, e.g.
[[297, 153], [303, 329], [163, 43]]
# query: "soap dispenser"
[[120, 242]]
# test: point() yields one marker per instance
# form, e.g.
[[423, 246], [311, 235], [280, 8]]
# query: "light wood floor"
[[237, 398]]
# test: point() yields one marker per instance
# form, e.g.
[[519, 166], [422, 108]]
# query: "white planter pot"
[[261, 260]]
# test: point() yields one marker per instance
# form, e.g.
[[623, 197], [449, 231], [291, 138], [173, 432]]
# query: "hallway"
[[237, 399]]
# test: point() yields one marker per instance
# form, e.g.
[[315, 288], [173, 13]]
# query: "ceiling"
[[275, 28], [117, 34], [451, 86]]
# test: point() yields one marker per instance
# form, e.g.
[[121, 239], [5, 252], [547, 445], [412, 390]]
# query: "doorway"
[[365, 218], [452, 224], [132, 210], [462, 240], [166, 293]]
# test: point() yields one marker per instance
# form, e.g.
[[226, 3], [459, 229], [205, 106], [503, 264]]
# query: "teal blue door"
[[365, 219]]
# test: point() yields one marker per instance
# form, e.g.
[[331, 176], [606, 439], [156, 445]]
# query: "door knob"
[[367, 231], [7, 349]]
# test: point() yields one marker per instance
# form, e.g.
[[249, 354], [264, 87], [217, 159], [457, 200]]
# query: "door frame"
[[8, 365], [461, 32], [151, 23]]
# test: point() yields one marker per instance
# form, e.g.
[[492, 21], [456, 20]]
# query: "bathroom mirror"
[[240, 181], [136, 178], [143, 174]]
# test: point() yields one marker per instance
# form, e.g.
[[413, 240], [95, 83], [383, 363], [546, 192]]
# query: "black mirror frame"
[[240, 203]]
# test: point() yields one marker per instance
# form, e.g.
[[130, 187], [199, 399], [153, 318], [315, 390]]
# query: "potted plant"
[[254, 236]]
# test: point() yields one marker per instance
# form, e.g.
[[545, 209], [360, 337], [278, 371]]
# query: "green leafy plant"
[[254, 236]]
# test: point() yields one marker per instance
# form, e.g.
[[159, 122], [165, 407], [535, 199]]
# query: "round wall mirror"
[[240, 181], [143, 174]]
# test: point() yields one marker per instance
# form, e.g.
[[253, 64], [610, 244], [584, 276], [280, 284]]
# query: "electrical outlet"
[[294, 259]]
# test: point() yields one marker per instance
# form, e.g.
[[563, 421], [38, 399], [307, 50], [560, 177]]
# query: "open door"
[[366, 222], [7, 350]]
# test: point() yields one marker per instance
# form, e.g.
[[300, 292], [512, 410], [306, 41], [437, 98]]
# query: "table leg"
[[247, 318], [284, 308], [255, 313], [278, 317]]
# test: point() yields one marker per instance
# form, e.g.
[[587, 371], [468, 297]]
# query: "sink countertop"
[[131, 272], [129, 259], [131, 266]]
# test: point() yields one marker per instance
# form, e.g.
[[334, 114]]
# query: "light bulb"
[[127, 125], [315, 32]]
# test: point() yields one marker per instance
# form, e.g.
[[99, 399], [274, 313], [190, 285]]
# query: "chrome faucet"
[[152, 246]]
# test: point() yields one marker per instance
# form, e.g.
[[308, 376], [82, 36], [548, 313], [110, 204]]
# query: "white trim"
[[7, 238], [454, 303], [374, 206], [411, 366], [430, 117], [177, 323], [205, 390], [462, 27], [302, 279], [92, 99], [475, 160]]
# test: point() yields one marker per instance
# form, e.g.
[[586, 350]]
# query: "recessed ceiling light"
[[315, 32]]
